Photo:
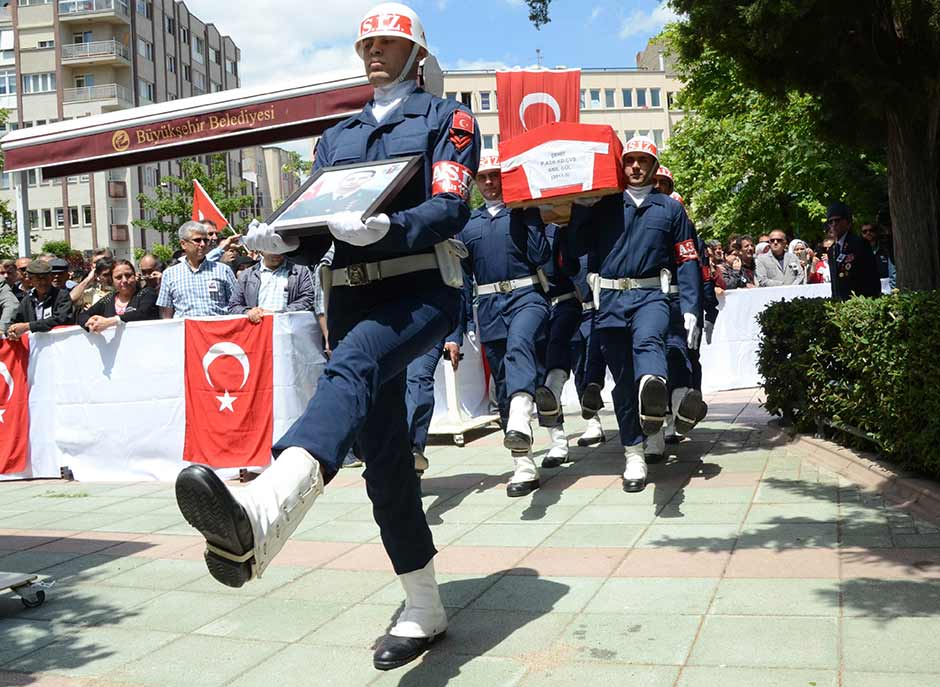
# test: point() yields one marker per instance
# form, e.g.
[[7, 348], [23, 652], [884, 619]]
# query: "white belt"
[[364, 273], [674, 288], [628, 283], [563, 298], [588, 306], [507, 285]]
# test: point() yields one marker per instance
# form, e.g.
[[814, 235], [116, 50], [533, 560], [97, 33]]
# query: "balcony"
[[111, 11], [99, 52], [114, 92]]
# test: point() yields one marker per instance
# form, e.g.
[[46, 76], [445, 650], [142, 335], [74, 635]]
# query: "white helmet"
[[392, 19], [489, 161], [642, 144]]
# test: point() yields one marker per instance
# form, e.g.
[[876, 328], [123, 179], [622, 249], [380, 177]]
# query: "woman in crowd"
[[806, 256], [820, 272], [129, 302]]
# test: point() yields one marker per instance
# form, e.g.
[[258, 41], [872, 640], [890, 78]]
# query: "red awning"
[[227, 120]]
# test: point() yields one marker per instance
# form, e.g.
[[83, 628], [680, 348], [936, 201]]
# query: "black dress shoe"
[[653, 458], [632, 486], [209, 506], [546, 403], [515, 489], [555, 461], [690, 412], [673, 438], [591, 401], [654, 400], [517, 441], [592, 440], [394, 652]]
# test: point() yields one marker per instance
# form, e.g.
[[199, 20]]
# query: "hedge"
[[866, 364]]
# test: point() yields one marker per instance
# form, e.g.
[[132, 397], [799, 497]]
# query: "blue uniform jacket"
[[559, 281], [511, 245], [623, 240], [432, 207]]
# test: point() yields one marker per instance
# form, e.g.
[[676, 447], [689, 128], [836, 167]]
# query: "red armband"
[[451, 177], [685, 251]]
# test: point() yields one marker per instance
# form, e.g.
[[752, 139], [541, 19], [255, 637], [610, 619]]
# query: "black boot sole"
[[555, 462], [207, 505], [413, 649], [546, 403], [592, 442], [517, 441], [654, 400], [692, 410], [591, 401], [515, 490]]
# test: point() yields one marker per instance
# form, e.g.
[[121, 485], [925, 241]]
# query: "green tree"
[[746, 162], [296, 165], [171, 203], [9, 246], [164, 253], [60, 249]]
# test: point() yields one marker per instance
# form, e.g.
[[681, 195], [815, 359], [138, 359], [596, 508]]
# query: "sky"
[[293, 39]]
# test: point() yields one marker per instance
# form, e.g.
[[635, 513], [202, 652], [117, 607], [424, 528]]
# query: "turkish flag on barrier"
[[229, 392], [205, 208], [529, 99], [14, 406]]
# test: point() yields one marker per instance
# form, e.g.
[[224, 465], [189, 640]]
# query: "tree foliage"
[[60, 249], [297, 166], [171, 203], [746, 162]]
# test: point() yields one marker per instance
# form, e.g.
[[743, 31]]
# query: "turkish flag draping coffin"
[[528, 99], [14, 406], [229, 392], [556, 163]]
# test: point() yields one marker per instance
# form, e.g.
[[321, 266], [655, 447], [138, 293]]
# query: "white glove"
[[709, 329], [695, 333], [262, 238], [348, 227]]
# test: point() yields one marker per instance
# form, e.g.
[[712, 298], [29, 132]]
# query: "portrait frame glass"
[[363, 187]]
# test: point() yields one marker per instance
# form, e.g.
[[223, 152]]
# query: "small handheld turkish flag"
[[204, 208], [527, 99], [229, 392], [14, 406]]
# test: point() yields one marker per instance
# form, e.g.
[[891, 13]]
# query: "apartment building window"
[[466, 97], [184, 35], [231, 66], [39, 83], [582, 104], [150, 176], [47, 218], [145, 89], [26, 3], [169, 23], [171, 64], [658, 137], [609, 95], [670, 99], [84, 80], [145, 49], [7, 81], [86, 215], [34, 219], [488, 141], [450, 95], [187, 72], [595, 98], [215, 55], [485, 104], [144, 9], [199, 50], [199, 83], [73, 215], [83, 37], [214, 87], [641, 97], [60, 217], [6, 181], [45, 44], [627, 97], [655, 98]]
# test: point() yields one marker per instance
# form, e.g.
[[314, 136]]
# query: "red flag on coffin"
[[204, 208], [529, 99], [229, 392], [14, 406]]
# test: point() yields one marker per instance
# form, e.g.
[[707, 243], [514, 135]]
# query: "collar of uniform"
[[416, 103], [653, 198]]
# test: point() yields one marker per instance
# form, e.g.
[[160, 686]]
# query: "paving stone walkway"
[[742, 564]]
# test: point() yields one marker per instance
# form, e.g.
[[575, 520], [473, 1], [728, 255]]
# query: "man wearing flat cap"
[[851, 262], [44, 306]]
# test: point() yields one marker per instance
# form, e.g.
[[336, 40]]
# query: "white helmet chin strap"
[[409, 64]]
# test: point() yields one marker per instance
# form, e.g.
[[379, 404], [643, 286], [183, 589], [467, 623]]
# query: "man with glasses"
[[851, 263], [150, 268], [195, 287], [881, 250], [43, 307], [779, 267]]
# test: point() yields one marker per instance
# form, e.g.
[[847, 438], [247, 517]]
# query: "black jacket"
[[853, 269], [143, 306], [61, 311]]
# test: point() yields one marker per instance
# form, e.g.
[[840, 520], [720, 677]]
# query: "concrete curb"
[[921, 496]]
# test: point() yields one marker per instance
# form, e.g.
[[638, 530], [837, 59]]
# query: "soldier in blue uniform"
[[588, 362], [395, 290], [506, 249], [633, 242]]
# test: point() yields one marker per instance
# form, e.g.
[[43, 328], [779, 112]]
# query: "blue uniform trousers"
[[588, 359], [361, 394], [633, 351], [420, 395], [516, 361], [677, 350], [563, 322]]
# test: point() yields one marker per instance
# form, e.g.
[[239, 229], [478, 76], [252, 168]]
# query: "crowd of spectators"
[[207, 276]]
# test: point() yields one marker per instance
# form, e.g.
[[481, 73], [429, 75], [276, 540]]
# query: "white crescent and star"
[[538, 99], [8, 378], [218, 350]]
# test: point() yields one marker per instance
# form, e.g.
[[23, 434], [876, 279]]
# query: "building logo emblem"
[[120, 141]]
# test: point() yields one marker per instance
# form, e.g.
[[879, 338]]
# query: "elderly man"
[[275, 284], [852, 265], [150, 268], [44, 307], [22, 276], [195, 287], [778, 266]]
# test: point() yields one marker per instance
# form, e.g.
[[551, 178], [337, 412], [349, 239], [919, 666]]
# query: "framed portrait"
[[364, 187]]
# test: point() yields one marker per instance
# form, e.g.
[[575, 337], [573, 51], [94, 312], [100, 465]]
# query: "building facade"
[[631, 101], [264, 170], [64, 59]]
